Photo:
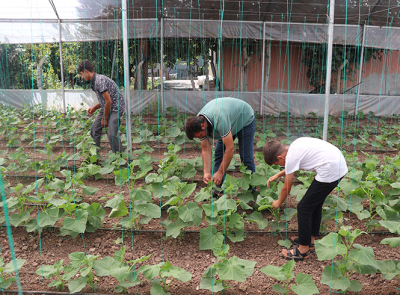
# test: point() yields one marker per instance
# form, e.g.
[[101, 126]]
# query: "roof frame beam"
[[54, 8]]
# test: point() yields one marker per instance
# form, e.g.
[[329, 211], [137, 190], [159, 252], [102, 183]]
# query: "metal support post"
[[61, 66], [328, 68], [126, 74], [113, 61], [361, 68], [262, 71], [162, 64]]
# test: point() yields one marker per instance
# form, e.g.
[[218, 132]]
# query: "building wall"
[[288, 73], [379, 77]]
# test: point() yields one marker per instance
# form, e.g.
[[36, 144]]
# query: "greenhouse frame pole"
[[262, 71], [113, 62], [361, 68], [162, 64], [328, 68], [126, 74], [61, 65]]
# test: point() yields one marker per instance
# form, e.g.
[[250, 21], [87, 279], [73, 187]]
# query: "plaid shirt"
[[101, 84]]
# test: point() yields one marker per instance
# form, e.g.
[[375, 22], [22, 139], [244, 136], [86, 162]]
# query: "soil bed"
[[182, 252]]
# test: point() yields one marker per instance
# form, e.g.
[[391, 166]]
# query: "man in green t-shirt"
[[223, 119]]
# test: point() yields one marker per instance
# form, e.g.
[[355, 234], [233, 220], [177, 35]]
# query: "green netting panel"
[[145, 221]]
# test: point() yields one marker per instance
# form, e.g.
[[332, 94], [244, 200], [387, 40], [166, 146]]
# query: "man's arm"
[[226, 160], [91, 110], [285, 191], [206, 154], [107, 109]]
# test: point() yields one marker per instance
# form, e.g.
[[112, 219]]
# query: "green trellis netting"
[[324, 69]]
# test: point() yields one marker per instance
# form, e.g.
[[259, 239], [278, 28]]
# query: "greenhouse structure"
[[79, 219]]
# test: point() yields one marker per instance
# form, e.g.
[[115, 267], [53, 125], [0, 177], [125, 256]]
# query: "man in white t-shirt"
[[310, 154]]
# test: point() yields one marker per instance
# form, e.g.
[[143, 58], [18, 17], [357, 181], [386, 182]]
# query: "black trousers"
[[309, 210]]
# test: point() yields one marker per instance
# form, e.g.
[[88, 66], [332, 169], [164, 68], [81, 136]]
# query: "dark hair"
[[272, 150], [193, 126], [85, 65]]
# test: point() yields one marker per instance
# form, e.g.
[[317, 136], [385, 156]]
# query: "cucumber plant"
[[7, 279], [360, 259], [53, 271], [162, 275], [284, 274], [124, 272], [216, 278]]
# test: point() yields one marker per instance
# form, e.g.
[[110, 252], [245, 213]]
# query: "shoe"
[[297, 256], [216, 195], [296, 241]]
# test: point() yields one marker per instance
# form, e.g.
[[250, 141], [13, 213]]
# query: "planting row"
[[71, 128], [343, 258], [369, 190]]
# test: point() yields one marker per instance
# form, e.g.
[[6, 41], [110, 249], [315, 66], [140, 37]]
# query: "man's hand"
[[217, 178], [206, 178], [104, 123], [272, 178], [276, 204], [90, 111]]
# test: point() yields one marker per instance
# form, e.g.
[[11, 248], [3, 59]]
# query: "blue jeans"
[[246, 144]]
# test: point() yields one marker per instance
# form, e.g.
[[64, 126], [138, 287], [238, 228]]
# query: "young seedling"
[[142, 211], [6, 270], [217, 277], [305, 283], [360, 259], [83, 264], [50, 271], [266, 203], [124, 272], [180, 215], [88, 151], [166, 273], [377, 200]]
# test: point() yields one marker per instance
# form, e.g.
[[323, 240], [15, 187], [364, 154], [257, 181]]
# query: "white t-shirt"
[[316, 155]]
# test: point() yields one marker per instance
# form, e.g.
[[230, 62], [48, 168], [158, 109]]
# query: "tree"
[[345, 58], [250, 52]]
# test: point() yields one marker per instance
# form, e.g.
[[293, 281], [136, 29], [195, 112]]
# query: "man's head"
[[85, 68], [196, 127], [275, 153]]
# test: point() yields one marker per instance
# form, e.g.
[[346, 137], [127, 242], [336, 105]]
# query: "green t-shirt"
[[227, 114]]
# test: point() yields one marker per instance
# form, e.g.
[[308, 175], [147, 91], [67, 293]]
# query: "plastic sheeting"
[[303, 104], [191, 102], [383, 37], [28, 32], [108, 30], [82, 31], [378, 13], [53, 100], [35, 21], [295, 103]]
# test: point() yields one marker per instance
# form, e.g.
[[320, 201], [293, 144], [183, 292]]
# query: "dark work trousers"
[[114, 120], [309, 210], [246, 143]]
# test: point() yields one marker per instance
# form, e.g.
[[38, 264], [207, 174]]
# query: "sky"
[[42, 9]]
